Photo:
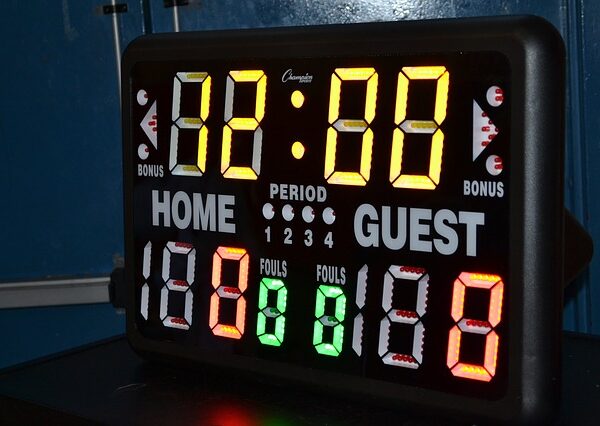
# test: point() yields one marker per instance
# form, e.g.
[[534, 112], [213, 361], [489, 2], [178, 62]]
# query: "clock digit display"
[[194, 123], [407, 127], [243, 124], [341, 125]]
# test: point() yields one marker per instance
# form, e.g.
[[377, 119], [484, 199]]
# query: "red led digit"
[[412, 317], [236, 330], [486, 371], [146, 273], [180, 285], [361, 296]]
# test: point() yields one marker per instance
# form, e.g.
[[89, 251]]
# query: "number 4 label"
[[329, 239]]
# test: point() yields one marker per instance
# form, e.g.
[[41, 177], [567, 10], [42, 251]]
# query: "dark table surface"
[[107, 383]]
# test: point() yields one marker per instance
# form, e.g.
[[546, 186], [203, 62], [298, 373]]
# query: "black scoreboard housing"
[[536, 55]]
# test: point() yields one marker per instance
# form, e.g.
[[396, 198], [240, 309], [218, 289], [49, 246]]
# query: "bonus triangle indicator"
[[484, 130], [149, 124]]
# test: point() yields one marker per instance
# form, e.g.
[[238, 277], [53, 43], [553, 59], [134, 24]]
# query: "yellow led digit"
[[361, 125], [182, 123], [243, 124], [406, 126]]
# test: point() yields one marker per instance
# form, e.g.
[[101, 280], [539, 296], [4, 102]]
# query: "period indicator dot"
[[308, 214], [328, 215], [298, 150], [268, 211], [297, 99], [287, 212]]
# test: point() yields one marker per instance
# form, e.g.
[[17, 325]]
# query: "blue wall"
[[60, 144]]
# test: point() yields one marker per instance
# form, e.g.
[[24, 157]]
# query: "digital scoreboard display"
[[350, 207]]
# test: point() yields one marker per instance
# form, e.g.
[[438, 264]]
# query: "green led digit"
[[323, 320], [273, 339]]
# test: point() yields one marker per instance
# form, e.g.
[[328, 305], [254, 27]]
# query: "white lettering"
[[418, 229], [331, 274], [273, 267], [273, 190], [321, 194], [500, 189], [371, 238], [467, 187], [483, 188], [289, 75], [291, 192], [161, 207], [226, 212], [472, 220], [397, 242], [150, 170], [181, 199], [205, 212], [446, 232], [310, 193], [422, 234]]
